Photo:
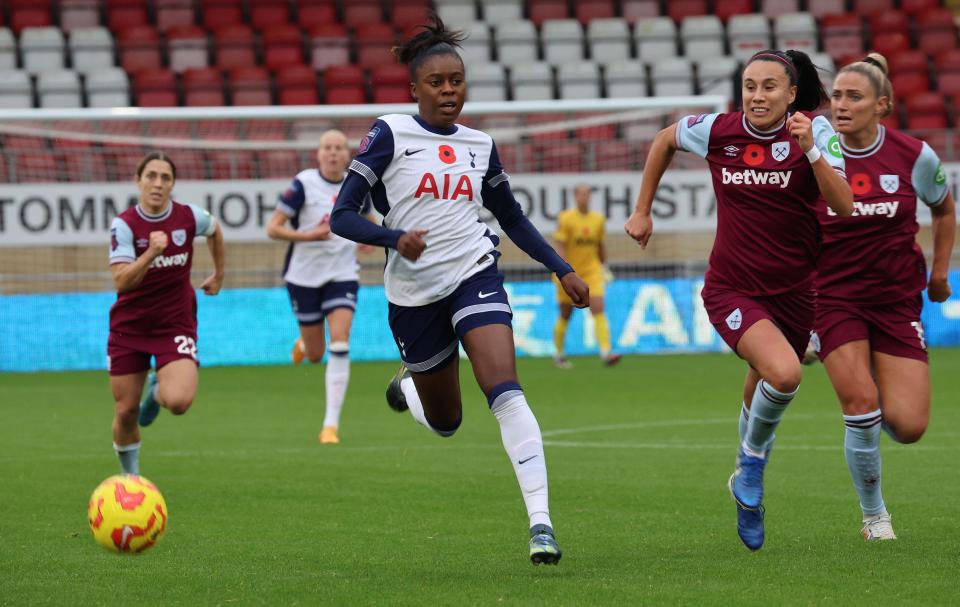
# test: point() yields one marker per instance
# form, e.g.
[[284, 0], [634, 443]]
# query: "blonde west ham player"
[[770, 165], [870, 279], [580, 235], [428, 177], [155, 315], [320, 270]]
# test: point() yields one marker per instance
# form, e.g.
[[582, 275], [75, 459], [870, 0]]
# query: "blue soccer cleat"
[[395, 397], [149, 406], [746, 484], [749, 521], [543, 546]]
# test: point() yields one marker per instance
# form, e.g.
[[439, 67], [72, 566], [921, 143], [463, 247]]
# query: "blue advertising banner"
[[256, 326]]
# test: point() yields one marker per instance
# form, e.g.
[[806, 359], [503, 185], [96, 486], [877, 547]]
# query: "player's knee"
[[785, 378], [908, 430], [446, 430], [178, 404], [446, 421], [860, 401], [127, 417]]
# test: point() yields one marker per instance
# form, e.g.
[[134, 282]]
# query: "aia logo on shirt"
[[440, 187]]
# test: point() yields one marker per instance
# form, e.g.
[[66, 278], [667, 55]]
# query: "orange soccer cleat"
[[297, 354], [328, 436]]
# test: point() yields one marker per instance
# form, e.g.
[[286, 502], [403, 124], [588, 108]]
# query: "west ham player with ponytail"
[[155, 315], [870, 279], [428, 176], [770, 163]]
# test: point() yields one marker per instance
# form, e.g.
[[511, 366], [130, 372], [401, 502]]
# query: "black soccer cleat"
[[395, 397], [543, 546]]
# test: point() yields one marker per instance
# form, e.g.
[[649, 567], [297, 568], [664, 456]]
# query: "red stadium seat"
[[374, 42], [342, 75], [124, 14], [892, 121], [346, 95], [139, 49], [392, 94], [821, 8], [268, 13], [282, 46], [908, 61], [155, 88], [842, 35], [357, 13], [556, 135], [872, 7], [36, 167], [936, 30], [926, 111], [589, 10], [560, 157], [297, 85], [250, 86], [890, 44], [634, 10], [948, 61], [234, 46], [203, 87], [29, 17], [911, 83], [408, 17], [948, 83], [218, 13], [889, 22], [686, 8], [541, 10], [729, 8], [915, 7], [173, 13], [390, 74], [329, 45], [276, 164], [313, 15]]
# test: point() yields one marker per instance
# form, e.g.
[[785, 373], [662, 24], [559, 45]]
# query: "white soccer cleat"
[[878, 527]]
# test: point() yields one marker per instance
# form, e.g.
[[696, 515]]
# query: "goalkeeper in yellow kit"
[[579, 237]]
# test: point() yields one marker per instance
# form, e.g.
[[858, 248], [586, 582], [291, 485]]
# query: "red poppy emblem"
[[754, 155], [447, 155], [860, 184]]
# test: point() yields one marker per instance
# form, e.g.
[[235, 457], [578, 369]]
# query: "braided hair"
[[433, 40]]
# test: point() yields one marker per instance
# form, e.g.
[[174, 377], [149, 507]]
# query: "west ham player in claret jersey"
[[428, 177], [321, 271], [155, 315], [870, 278], [770, 165]]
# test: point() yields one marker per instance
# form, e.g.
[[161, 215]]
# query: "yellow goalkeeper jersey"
[[582, 234]]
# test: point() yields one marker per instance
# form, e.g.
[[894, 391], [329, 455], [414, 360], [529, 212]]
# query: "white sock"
[[337, 376], [861, 446], [744, 420], [416, 407], [766, 410], [129, 457], [524, 446]]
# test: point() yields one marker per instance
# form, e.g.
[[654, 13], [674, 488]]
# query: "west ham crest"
[[179, 237], [890, 183], [780, 150]]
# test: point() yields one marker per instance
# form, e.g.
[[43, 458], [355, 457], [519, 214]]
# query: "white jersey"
[[424, 178], [307, 202]]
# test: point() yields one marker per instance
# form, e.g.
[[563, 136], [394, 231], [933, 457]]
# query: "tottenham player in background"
[[320, 270], [428, 177], [870, 279], [580, 234], [770, 164], [155, 315]]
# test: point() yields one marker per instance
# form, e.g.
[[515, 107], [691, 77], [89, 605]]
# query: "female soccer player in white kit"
[[320, 270], [428, 177]]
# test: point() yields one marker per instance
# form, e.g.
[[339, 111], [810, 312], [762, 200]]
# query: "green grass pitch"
[[638, 457]]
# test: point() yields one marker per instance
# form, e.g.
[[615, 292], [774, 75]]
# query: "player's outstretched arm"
[[640, 225], [212, 284], [944, 219], [128, 276]]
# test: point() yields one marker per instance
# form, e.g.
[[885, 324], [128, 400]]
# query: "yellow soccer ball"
[[127, 513]]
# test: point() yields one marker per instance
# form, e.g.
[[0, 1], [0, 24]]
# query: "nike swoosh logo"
[[523, 461], [483, 295], [412, 152]]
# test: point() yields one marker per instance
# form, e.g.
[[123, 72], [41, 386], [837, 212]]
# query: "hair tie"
[[873, 61]]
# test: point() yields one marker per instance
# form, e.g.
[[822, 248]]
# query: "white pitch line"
[[665, 423], [725, 446]]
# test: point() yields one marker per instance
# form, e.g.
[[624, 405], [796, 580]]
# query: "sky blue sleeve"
[[825, 138], [929, 178], [292, 200], [693, 133], [121, 242], [206, 224]]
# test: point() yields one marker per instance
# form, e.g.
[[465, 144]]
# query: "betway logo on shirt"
[[756, 177], [166, 261], [861, 209], [440, 187]]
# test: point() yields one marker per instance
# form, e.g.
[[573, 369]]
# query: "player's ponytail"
[[156, 155], [874, 68], [433, 40], [810, 92], [802, 73]]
